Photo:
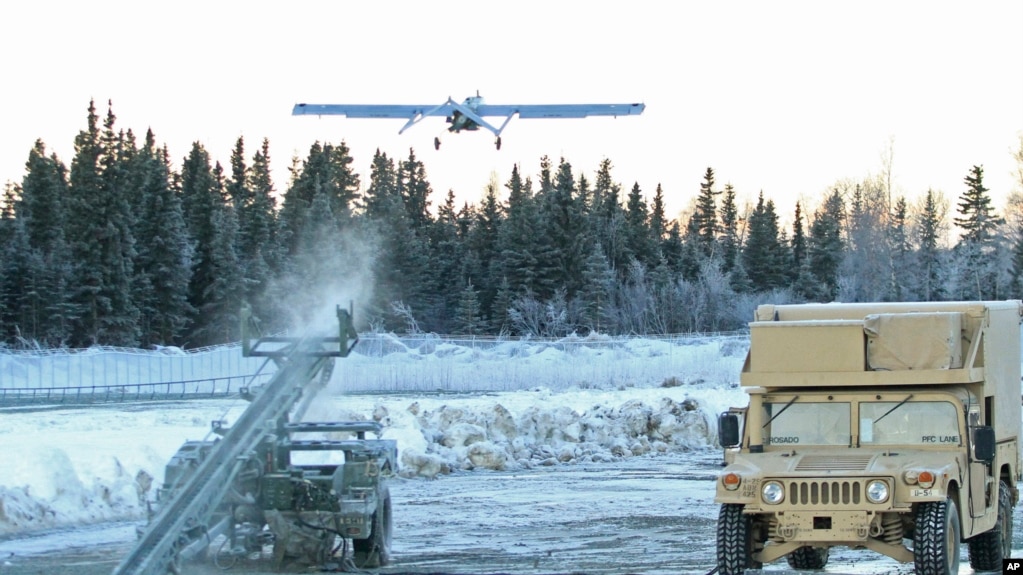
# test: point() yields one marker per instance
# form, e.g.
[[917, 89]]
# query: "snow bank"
[[540, 429]]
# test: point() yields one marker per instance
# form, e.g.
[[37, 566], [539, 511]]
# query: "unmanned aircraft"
[[469, 114]]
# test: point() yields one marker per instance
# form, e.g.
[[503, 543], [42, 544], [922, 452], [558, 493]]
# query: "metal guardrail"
[[164, 391]]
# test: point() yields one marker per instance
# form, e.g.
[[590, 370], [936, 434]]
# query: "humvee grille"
[[834, 462], [825, 493]]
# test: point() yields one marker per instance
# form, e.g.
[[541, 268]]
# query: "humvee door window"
[[913, 423], [806, 423]]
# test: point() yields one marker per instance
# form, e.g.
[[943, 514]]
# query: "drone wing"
[[561, 110], [411, 112], [368, 110]]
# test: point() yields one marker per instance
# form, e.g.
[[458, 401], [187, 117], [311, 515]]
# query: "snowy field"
[[606, 465]]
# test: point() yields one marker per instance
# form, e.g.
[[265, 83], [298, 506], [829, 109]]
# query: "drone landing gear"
[[436, 143], [497, 142]]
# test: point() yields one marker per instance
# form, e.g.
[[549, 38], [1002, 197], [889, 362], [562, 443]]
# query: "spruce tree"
[[467, 314], [517, 241], [977, 218], [327, 169], [401, 268], [451, 263], [17, 283], [827, 246], [7, 223], [43, 205], [658, 221], [638, 237], [164, 259], [100, 236], [564, 236], [610, 220], [977, 246], [596, 296], [483, 240], [258, 235], [415, 191], [798, 243], [672, 248], [764, 257], [706, 214], [729, 230], [500, 322], [204, 201], [901, 264], [930, 284]]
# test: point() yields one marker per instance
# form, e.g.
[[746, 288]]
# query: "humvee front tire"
[[936, 538], [809, 558], [735, 543], [375, 550], [988, 549]]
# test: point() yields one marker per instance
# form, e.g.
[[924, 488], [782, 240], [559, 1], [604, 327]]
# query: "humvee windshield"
[[912, 423], [806, 423], [880, 423]]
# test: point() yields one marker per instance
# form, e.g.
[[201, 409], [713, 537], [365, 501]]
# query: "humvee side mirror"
[[728, 430], [984, 443]]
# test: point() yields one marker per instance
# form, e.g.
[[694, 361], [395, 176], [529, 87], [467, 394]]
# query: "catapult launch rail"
[[193, 517]]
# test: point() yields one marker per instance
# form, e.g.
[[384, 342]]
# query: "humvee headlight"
[[877, 491], [773, 493], [731, 481]]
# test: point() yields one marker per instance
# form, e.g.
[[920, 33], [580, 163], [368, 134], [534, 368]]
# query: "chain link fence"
[[381, 363]]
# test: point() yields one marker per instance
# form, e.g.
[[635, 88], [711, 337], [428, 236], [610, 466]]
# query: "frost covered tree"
[[797, 243], [516, 239], [865, 269], [1014, 222], [706, 215], [566, 236], [164, 256], [765, 257], [929, 223], [215, 285], [639, 239], [901, 261], [609, 223], [467, 314], [483, 239], [595, 298], [401, 265], [259, 250], [46, 309], [729, 240], [827, 247], [100, 237], [415, 191], [978, 276]]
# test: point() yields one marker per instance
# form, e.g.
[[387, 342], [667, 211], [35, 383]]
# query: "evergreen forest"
[[122, 249]]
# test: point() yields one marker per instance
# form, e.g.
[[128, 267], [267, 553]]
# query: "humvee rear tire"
[[809, 558], [375, 550], [936, 538], [735, 541], [988, 549]]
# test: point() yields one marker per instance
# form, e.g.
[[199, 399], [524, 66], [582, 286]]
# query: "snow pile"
[[464, 437]]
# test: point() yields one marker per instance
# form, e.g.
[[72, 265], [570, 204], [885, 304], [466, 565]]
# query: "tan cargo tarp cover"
[[914, 341]]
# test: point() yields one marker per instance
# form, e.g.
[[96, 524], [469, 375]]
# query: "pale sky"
[[783, 97]]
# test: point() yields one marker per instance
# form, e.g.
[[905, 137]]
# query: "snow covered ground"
[[520, 457], [595, 403]]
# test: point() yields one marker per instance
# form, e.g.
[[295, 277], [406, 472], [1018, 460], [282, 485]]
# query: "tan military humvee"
[[892, 427]]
